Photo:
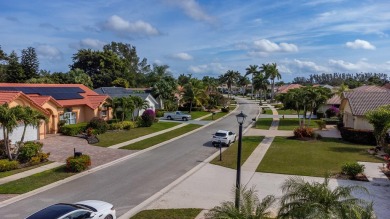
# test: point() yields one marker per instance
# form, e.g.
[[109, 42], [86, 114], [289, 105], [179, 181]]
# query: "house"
[[285, 88], [73, 103], [371, 88], [335, 101], [114, 92], [356, 103]]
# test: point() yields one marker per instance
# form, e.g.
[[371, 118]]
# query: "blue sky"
[[208, 37]]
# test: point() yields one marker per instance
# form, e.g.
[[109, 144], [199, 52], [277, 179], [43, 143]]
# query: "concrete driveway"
[[62, 147]]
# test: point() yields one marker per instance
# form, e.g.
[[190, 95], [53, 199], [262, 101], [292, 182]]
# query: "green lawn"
[[12, 172], [197, 114], [286, 112], [312, 158], [140, 145], [268, 111], [263, 123], [291, 124], [229, 156], [35, 181], [115, 137], [184, 213]]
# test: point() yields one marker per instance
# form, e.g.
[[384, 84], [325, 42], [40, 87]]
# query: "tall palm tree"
[[9, 121], [260, 83], [252, 70], [230, 78], [210, 83], [243, 83], [272, 72], [317, 200], [30, 116], [250, 207]]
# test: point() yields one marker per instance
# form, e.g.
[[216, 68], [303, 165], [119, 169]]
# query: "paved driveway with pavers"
[[62, 147]]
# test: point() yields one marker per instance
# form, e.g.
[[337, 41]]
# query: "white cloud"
[[309, 66], [182, 56], [215, 68], [266, 46], [193, 10], [360, 66], [92, 43], [48, 52], [123, 27], [360, 44]]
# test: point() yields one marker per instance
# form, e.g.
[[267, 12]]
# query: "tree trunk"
[[6, 143], [252, 87], [24, 132], [190, 106], [272, 90]]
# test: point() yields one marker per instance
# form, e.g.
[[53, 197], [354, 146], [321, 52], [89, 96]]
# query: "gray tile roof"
[[361, 102], [119, 92]]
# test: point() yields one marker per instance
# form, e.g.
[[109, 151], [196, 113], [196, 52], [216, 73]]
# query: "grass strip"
[[35, 181], [268, 111], [286, 112], [184, 213], [115, 137], [197, 114], [140, 145], [312, 158], [263, 123], [229, 156], [291, 124], [20, 170]]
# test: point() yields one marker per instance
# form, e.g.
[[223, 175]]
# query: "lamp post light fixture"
[[240, 119]]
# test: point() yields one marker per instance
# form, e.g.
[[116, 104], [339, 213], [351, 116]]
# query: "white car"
[[89, 209], [223, 137]]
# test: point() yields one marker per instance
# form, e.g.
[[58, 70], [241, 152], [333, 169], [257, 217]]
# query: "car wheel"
[[185, 119], [108, 217], [228, 144], [169, 117]]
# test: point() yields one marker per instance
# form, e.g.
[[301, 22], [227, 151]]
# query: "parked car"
[[223, 137], [89, 209], [177, 115]]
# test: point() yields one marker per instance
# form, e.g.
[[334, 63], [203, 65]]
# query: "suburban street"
[[128, 183]]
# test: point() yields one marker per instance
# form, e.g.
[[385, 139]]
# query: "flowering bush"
[[148, 118], [78, 164], [333, 111], [303, 132]]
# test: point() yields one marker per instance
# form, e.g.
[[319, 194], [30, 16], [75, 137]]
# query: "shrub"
[[61, 123], [74, 129], [320, 115], [159, 113], [148, 117], [78, 164], [128, 125], [112, 121], [28, 150], [7, 165], [98, 124], [225, 109], [332, 111], [279, 106], [352, 169], [321, 124], [358, 136], [303, 132]]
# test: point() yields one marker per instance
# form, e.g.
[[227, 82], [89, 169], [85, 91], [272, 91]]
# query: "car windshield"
[[54, 211], [219, 134]]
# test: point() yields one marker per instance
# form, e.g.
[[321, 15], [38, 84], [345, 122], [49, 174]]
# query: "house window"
[[69, 117], [103, 113]]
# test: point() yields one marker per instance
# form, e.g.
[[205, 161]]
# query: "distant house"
[[114, 92], [371, 88], [73, 103], [356, 103], [335, 101], [285, 88]]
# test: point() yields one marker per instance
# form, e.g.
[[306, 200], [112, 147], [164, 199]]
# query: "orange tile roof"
[[43, 99], [90, 97], [9, 96], [285, 88], [370, 88]]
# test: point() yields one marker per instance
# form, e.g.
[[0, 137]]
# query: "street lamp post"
[[240, 119]]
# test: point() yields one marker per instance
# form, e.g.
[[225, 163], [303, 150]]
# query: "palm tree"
[[252, 70], [9, 121], [194, 93], [260, 83], [139, 103], [302, 199], [230, 78], [243, 83], [272, 72], [210, 83], [31, 117], [250, 207]]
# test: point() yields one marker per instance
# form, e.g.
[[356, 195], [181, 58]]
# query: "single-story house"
[[73, 103], [114, 92], [285, 88], [371, 88], [335, 101], [356, 103]]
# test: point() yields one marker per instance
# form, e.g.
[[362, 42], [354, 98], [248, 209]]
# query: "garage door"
[[16, 135]]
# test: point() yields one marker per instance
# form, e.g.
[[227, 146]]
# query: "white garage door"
[[16, 135]]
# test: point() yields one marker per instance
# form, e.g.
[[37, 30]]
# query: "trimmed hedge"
[[74, 129], [98, 124], [7, 165], [358, 136], [29, 150], [330, 121], [78, 164]]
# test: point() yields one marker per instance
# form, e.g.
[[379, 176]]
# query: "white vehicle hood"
[[98, 205]]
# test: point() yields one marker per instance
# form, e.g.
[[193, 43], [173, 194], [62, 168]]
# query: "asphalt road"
[[128, 183]]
